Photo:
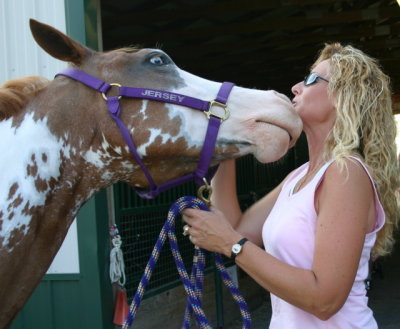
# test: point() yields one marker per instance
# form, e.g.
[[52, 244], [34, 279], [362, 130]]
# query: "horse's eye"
[[159, 60]]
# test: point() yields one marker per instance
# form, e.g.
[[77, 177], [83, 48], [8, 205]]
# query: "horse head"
[[168, 137]]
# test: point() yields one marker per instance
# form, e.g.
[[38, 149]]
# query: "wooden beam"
[[268, 24], [184, 11], [286, 43]]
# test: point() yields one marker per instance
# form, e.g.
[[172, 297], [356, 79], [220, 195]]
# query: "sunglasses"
[[313, 78]]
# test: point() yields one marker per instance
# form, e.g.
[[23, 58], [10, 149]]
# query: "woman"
[[321, 225]]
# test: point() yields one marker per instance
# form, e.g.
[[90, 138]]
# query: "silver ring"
[[186, 230]]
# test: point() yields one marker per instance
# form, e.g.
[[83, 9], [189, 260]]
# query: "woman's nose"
[[296, 88]]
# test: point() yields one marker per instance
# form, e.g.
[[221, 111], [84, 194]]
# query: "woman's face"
[[313, 103]]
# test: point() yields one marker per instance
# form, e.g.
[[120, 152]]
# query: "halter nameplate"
[[114, 109], [162, 96]]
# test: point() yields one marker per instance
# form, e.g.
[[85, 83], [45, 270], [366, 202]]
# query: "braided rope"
[[244, 310], [197, 279], [193, 285]]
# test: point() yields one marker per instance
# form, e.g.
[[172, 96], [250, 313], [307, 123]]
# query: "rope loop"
[[193, 284], [117, 264]]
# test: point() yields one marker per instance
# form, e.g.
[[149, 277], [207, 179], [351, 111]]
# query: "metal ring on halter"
[[111, 84], [202, 189], [221, 117]]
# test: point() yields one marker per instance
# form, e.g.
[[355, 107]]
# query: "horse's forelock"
[[15, 94], [132, 49]]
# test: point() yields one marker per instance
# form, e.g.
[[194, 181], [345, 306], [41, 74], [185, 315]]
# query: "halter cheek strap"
[[202, 171]]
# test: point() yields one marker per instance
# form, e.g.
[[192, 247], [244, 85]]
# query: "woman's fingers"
[[193, 216]]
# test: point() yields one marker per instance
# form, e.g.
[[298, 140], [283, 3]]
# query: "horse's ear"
[[57, 44]]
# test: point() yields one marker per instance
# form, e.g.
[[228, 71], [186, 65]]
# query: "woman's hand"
[[210, 230]]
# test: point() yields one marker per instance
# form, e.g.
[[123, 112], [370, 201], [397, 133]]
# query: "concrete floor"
[[384, 297]]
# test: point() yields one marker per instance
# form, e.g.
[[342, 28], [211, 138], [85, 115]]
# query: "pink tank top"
[[289, 234]]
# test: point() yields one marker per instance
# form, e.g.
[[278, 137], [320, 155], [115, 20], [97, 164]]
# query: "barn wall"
[[20, 55]]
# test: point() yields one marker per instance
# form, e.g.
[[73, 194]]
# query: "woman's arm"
[[224, 197], [345, 208], [224, 194]]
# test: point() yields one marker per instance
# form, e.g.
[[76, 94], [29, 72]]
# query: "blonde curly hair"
[[365, 126]]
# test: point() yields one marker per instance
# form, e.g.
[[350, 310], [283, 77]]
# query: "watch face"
[[236, 248]]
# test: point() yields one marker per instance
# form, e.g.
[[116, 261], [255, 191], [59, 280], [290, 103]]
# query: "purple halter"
[[202, 172]]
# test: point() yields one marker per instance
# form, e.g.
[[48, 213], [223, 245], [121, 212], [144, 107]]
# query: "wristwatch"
[[237, 248]]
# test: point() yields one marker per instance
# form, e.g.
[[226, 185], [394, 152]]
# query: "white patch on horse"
[[194, 122], [154, 133], [118, 150], [36, 156], [144, 108], [101, 157], [106, 176], [94, 157], [129, 165]]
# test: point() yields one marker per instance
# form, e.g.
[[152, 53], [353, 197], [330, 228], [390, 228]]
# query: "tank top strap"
[[296, 174], [321, 173], [380, 212]]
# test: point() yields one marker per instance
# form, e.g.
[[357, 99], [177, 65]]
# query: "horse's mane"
[[15, 94]]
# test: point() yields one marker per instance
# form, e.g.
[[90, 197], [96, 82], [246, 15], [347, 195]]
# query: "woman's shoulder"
[[349, 169], [347, 180], [348, 184], [346, 171]]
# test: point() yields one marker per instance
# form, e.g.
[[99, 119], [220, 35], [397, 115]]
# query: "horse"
[[60, 146]]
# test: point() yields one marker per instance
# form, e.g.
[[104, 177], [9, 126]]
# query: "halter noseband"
[[202, 173]]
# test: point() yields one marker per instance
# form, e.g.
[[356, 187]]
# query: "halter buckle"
[[221, 117], [111, 84]]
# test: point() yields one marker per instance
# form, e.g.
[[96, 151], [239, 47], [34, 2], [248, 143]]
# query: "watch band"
[[238, 245]]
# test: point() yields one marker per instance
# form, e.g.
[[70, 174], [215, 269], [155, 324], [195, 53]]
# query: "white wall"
[[21, 56]]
